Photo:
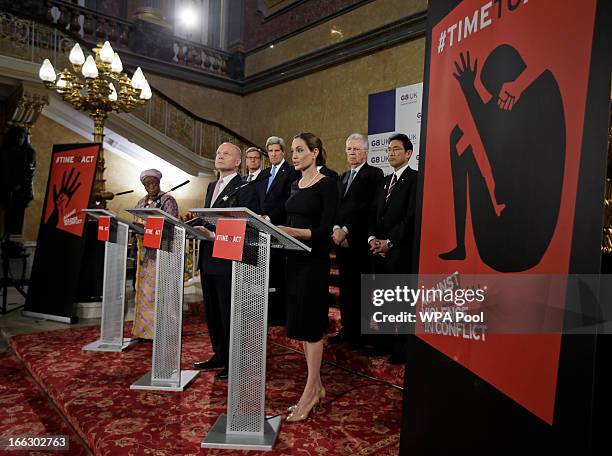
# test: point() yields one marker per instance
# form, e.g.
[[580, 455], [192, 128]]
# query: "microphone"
[[178, 186], [158, 197], [259, 178], [246, 184], [124, 193]]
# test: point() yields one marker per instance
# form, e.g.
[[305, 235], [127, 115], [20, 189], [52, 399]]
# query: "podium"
[[113, 294], [166, 373], [245, 425]]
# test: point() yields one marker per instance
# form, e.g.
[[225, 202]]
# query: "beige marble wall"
[[121, 174], [332, 103], [210, 104], [370, 16]]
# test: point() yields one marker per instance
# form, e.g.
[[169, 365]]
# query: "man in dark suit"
[[253, 156], [357, 188], [391, 234], [275, 186], [274, 189], [215, 273], [323, 169]]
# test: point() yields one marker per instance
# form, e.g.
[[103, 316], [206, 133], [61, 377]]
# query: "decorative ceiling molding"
[[308, 26], [269, 8], [405, 29], [402, 30]]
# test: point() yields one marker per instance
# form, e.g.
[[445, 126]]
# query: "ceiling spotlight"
[[271, 46], [188, 17]]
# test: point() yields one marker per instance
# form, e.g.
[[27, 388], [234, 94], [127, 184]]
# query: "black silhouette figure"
[[514, 204], [62, 198]]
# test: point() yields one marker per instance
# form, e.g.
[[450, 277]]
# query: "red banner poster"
[[154, 228], [60, 243], [69, 188], [229, 240], [505, 115], [104, 228]]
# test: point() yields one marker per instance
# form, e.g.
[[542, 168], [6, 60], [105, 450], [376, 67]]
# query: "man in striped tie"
[[392, 229]]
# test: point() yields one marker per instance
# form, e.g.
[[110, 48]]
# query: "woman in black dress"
[[310, 214]]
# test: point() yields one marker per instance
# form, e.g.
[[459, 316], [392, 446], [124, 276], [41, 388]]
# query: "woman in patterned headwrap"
[[145, 270]]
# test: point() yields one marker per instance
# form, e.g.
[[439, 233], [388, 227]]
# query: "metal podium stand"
[[245, 425], [113, 295], [166, 373]]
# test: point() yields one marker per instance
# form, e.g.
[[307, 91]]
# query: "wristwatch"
[[389, 244]]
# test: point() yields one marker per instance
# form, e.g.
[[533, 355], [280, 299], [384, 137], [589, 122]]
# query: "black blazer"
[[235, 194], [273, 202], [329, 172], [356, 207], [395, 220]]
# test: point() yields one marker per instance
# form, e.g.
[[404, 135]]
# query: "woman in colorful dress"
[[144, 310]]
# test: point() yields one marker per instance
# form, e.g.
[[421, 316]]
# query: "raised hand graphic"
[[61, 198]]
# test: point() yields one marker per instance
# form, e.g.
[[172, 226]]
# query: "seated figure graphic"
[[514, 186]]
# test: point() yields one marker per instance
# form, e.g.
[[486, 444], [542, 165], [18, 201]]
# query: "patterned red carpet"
[[359, 416], [25, 410]]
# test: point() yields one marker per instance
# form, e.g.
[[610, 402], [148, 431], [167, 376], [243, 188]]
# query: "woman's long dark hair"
[[314, 142]]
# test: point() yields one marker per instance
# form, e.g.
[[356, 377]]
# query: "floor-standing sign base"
[[217, 436], [146, 383], [101, 346]]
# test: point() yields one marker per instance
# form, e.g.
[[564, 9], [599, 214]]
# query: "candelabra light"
[[97, 85]]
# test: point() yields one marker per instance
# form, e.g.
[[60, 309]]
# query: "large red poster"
[[60, 243], [505, 112], [69, 188]]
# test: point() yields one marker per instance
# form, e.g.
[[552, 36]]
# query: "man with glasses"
[[357, 188], [392, 228], [253, 157]]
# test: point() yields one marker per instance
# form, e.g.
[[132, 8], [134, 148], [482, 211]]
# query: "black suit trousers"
[[352, 262], [217, 290], [276, 299]]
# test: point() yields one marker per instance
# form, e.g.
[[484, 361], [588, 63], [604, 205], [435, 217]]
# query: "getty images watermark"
[[473, 306]]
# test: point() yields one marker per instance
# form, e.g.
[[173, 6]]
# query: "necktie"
[[350, 180], [250, 177], [391, 185], [216, 192], [271, 178]]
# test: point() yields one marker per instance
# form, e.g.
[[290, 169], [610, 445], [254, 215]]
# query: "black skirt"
[[307, 297]]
